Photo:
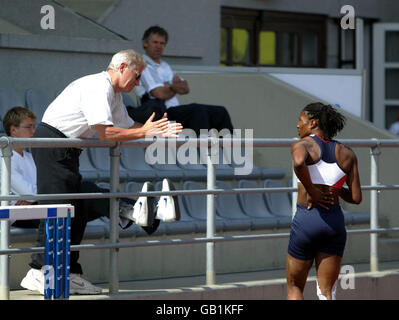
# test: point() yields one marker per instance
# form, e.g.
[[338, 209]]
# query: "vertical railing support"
[[375, 153], [6, 154], [113, 216], [210, 219]]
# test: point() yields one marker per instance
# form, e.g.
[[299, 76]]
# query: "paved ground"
[[143, 289]]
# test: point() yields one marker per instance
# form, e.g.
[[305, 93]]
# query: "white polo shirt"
[[23, 174], [153, 76], [85, 102]]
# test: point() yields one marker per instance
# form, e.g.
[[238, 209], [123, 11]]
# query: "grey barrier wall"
[[7, 143]]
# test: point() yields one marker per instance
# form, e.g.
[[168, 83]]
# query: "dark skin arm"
[[348, 162]]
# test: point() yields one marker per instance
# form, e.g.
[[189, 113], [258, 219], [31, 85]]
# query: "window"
[[266, 38], [267, 48], [347, 48], [237, 37], [392, 46]]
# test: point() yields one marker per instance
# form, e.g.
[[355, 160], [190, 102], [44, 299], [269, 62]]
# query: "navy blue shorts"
[[317, 230]]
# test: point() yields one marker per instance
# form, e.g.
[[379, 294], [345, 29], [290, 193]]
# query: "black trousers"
[[201, 116], [58, 172], [194, 116]]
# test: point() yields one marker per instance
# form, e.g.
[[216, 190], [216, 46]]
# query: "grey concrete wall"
[[50, 63], [193, 26], [27, 15]]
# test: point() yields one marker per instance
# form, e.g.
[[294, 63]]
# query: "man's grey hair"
[[130, 57]]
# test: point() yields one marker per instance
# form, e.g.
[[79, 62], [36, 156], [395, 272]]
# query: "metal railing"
[[7, 144]]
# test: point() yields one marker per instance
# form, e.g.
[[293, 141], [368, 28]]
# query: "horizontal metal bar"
[[255, 142], [54, 142], [151, 243], [109, 195]]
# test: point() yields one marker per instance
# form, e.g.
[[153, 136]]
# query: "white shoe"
[[78, 285], [168, 206], [34, 281], [143, 210]]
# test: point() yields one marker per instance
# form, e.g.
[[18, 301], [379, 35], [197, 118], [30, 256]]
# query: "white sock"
[[333, 291]]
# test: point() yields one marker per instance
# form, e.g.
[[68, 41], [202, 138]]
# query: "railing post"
[[113, 216], [210, 220], [6, 154], [375, 153]]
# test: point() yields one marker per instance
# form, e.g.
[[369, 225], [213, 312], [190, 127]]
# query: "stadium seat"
[[229, 209], [8, 99], [192, 171], [224, 171], [253, 205], [100, 159], [165, 169], [240, 164], [133, 161], [37, 101], [272, 173], [197, 208], [86, 168], [279, 203], [353, 218], [104, 185]]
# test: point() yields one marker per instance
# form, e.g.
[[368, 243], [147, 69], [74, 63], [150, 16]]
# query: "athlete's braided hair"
[[330, 120]]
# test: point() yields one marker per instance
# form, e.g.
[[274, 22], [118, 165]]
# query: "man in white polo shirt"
[[159, 87], [88, 106]]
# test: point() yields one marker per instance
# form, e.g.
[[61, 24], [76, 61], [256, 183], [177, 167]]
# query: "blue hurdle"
[[57, 242]]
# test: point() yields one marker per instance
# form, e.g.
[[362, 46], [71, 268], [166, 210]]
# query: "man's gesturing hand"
[[162, 128]]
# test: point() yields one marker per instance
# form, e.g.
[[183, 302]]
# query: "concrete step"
[[254, 285]]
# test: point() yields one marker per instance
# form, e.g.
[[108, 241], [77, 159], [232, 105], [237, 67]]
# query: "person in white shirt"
[[394, 128], [19, 122], [159, 87], [88, 106]]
